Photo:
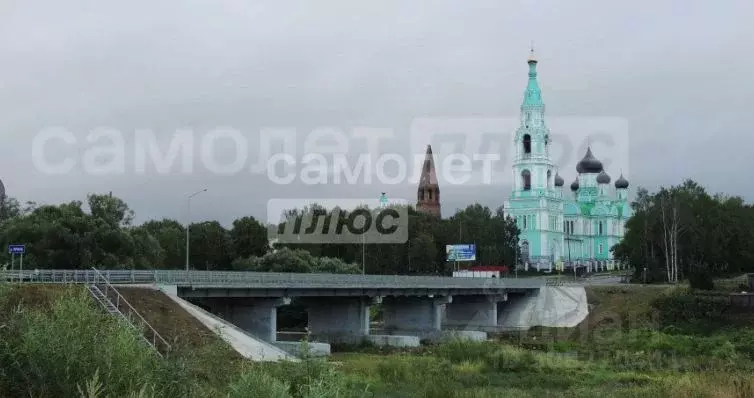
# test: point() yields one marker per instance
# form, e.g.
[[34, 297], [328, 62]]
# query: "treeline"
[[495, 236], [683, 232], [100, 233]]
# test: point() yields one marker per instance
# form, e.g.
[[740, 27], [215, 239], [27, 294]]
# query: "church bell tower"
[[428, 194]]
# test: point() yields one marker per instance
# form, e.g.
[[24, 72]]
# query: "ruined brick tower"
[[428, 194]]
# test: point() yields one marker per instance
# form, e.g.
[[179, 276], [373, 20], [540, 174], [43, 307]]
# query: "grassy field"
[[627, 347], [639, 341]]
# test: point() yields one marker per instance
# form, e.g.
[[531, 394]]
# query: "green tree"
[[210, 246], [111, 209], [684, 232], [171, 236], [248, 237]]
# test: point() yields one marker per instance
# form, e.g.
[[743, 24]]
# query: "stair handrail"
[[156, 337]]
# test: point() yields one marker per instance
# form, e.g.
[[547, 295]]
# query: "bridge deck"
[[256, 283]]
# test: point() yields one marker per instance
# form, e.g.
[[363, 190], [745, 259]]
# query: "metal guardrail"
[[277, 280], [129, 313], [77, 276]]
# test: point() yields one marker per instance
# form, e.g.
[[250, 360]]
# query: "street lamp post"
[[188, 223], [568, 242]]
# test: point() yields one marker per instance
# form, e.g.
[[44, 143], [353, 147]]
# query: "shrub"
[[314, 377], [257, 384], [700, 277], [688, 307]]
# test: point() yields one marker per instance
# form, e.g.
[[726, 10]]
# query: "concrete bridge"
[[338, 305]]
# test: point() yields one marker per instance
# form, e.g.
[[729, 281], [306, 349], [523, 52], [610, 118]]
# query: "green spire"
[[532, 95]]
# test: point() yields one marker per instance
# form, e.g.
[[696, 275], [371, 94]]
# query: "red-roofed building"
[[483, 271]]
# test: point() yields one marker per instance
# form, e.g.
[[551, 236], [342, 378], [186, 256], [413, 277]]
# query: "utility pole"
[[188, 224], [363, 255], [460, 241], [570, 261]]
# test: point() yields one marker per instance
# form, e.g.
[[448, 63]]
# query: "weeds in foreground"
[[69, 348]]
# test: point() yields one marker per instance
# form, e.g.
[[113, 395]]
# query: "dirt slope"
[[177, 326]]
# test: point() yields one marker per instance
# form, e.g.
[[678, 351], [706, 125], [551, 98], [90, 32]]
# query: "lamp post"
[[188, 223], [568, 242]]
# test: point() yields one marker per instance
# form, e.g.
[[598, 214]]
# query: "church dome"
[[603, 178], [559, 180], [621, 183], [589, 164], [575, 185], [2, 189]]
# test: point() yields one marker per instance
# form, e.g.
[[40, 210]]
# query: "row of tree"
[[682, 231], [495, 236], [100, 233], [675, 233]]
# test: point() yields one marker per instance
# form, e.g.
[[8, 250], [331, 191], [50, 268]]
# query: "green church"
[[561, 229]]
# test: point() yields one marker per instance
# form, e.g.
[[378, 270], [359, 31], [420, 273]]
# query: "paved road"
[[608, 280]]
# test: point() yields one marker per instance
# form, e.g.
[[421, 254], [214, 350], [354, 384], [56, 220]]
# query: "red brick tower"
[[428, 195]]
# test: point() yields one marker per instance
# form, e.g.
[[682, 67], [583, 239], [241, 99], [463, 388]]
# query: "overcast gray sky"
[[677, 73]]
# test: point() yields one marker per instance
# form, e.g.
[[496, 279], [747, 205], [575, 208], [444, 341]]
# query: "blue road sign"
[[460, 252], [16, 249]]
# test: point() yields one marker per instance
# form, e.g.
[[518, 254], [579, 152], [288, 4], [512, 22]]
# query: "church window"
[[549, 179], [526, 180], [600, 248], [527, 144], [599, 226], [429, 191], [525, 217]]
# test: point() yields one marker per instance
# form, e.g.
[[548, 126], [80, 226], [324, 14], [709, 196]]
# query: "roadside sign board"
[[16, 249], [460, 252]]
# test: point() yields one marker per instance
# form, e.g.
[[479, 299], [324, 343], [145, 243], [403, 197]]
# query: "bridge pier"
[[257, 316], [339, 319], [473, 312], [412, 315]]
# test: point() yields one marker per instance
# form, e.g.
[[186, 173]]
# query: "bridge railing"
[[77, 276], [273, 279]]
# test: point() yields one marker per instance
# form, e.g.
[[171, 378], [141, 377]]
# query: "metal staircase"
[[115, 304], [102, 299]]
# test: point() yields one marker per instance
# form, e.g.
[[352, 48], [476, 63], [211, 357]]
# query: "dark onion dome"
[[621, 183], [575, 185], [603, 178], [559, 180], [589, 164]]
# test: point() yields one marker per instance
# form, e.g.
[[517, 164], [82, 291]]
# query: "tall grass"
[[68, 347], [57, 352], [65, 346]]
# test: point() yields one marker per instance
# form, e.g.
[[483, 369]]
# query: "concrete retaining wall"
[[552, 306]]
